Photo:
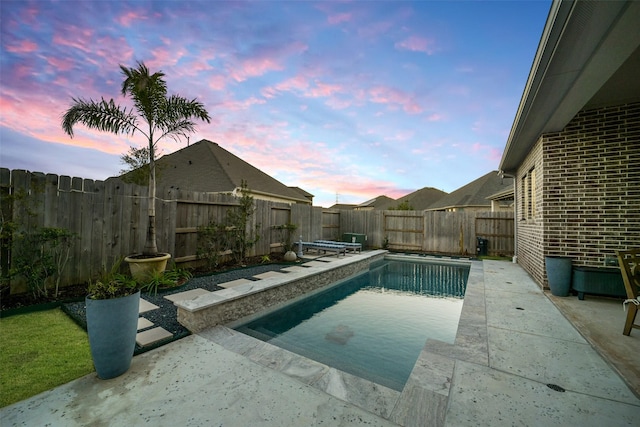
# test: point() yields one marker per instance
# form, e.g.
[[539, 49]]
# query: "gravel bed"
[[166, 313]]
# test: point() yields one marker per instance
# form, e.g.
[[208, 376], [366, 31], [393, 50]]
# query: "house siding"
[[588, 190], [530, 231]]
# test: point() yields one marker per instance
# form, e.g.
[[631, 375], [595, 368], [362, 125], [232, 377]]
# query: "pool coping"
[[233, 303], [426, 392]]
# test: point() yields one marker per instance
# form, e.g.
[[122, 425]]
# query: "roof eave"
[[563, 80]]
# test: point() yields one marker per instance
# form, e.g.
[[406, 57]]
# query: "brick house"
[[574, 147]]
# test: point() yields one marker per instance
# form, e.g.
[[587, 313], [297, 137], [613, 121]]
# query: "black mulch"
[[166, 315]]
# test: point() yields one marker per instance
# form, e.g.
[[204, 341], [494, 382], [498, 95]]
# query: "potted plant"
[[112, 304], [155, 115], [286, 232]]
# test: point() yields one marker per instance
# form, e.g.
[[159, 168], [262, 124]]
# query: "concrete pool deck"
[[512, 342]]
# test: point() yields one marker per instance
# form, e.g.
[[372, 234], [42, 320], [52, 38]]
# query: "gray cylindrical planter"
[[558, 274], [112, 325]]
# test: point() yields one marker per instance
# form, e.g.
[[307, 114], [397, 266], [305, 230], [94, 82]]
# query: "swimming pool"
[[375, 324]]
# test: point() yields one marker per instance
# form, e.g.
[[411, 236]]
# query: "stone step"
[[144, 323], [152, 336], [146, 306]]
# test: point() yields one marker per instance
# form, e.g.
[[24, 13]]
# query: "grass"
[[40, 351]]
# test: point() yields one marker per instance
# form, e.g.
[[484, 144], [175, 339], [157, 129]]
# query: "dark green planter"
[[558, 274], [112, 325]]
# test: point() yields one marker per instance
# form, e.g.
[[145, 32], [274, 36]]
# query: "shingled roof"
[[207, 167], [474, 194], [378, 203], [421, 199]]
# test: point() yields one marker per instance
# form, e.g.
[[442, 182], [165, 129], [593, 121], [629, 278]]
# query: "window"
[[529, 195]]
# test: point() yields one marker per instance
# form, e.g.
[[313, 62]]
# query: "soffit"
[[588, 57]]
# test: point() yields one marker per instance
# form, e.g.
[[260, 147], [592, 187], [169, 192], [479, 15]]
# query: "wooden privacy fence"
[[431, 232], [110, 218]]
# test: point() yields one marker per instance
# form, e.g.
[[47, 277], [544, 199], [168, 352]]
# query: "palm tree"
[[155, 115]]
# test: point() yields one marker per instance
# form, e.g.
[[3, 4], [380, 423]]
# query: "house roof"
[[507, 194], [423, 198], [588, 57], [343, 206], [380, 202], [205, 166], [474, 194], [304, 193]]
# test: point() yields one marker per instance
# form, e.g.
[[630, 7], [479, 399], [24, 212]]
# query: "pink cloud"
[[324, 90], [297, 83], [163, 57], [435, 117], [488, 152], [401, 136], [75, 37], [339, 18], [217, 82], [255, 67], [393, 97], [269, 61], [60, 64], [130, 17], [417, 44], [23, 46], [339, 104]]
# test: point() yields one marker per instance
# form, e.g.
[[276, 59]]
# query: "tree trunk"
[[150, 246]]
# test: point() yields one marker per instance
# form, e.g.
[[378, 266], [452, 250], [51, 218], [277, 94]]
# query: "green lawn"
[[40, 351]]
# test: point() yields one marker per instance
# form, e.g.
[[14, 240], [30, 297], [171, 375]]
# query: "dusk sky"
[[345, 99]]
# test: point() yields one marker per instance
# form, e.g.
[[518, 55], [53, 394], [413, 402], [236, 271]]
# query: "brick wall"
[[529, 229], [588, 190]]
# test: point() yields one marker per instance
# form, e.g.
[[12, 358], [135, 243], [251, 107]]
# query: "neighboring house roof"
[[588, 57], [474, 194], [207, 167], [304, 193], [343, 206], [380, 203], [421, 199], [507, 194]]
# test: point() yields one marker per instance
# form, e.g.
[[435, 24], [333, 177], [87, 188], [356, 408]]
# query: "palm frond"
[[103, 116], [174, 118], [148, 92]]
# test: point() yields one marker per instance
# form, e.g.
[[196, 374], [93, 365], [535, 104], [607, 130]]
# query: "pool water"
[[375, 324]]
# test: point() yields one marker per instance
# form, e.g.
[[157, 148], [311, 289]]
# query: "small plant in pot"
[[113, 304], [155, 115], [166, 280]]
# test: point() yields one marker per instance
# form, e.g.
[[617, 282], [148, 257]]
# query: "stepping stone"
[[144, 323], [268, 274], [186, 295], [233, 283], [152, 336], [146, 306], [294, 269]]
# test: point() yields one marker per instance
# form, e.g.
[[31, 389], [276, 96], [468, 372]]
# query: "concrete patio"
[[513, 341]]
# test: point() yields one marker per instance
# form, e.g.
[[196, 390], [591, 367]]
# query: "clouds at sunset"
[[354, 98]]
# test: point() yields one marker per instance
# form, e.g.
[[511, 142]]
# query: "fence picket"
[[110, 219]]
